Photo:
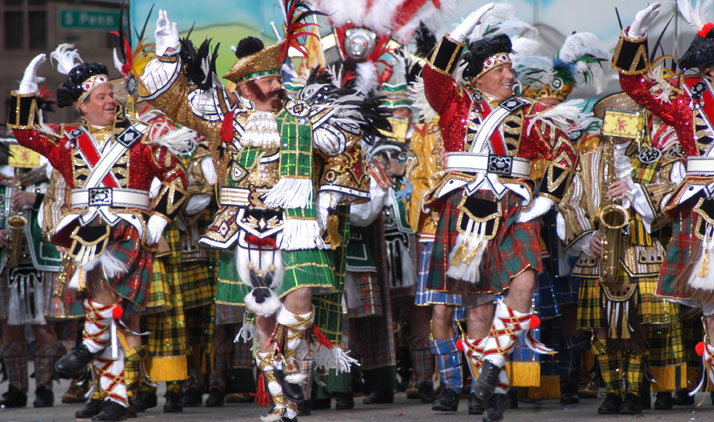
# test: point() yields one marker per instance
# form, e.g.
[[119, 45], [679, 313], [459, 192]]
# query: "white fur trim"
[[469, 271], [297, 378], [367, 79], [270, 417], [262, 259], [290, 193], [66, 57], [267, 308]]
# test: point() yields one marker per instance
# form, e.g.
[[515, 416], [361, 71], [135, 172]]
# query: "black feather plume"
[[196, 62]]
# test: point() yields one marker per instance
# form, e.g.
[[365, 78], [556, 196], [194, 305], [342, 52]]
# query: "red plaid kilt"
[[680, 245], [515, 248]]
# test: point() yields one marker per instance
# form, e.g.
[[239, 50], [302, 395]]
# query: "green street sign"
[[88, 19]]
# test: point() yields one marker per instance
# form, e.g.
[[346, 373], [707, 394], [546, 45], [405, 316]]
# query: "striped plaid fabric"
[[62, 303], [635, 372], [680, 245], [428, 297], [515, 248], [201, 337], [422, 359], [14, 360], [590, 314], [666, 357], [610, 367], [448, 358], [159, 300]]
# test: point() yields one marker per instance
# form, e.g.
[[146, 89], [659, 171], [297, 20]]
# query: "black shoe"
[[475, 405], [174, 402], [304, 408], [321, 404], [216, 397], [93, 407], [497, 405], [145, 400], [13, 398], [44, 397], [486, 382], [447, 401], [682, 398], [664, 401], [569, 394], [131, 411], [611, 405], [111, 411], [344, 401], [513, 398], [192, 397], [293, 392], [426, 392], [645, 400], [75, 361], [630, 405], [379, 397]]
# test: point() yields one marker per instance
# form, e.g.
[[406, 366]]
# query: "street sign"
[[102, 20]]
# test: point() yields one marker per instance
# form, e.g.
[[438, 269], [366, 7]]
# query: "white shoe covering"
[[508, 324], [98, 320], [110, 374]]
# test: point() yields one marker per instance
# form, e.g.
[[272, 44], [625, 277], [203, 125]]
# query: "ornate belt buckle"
[[100, 197], [500, 164]]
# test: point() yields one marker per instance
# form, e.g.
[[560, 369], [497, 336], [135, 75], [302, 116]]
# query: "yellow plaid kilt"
[[159, 297], [666, 357]]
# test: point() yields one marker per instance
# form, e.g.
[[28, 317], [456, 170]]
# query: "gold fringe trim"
[[669, 378], [549, 389], [171, 368], [523, 374]]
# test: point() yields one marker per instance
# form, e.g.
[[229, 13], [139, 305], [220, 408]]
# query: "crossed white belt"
[[501, 165], [700, 166], [112, 197]]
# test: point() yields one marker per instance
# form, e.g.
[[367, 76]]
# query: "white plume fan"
[[66, 56], [698, 15]]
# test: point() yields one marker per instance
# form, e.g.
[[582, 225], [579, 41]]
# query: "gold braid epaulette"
[[630, 55]]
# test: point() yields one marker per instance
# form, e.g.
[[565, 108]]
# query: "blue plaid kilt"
[[428, 297]]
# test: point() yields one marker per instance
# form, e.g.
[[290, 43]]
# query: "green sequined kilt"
[[304, 268]]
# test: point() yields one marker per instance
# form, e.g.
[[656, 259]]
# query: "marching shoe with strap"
[[216, 398], [682, 398], [497, 405], [193, 397], [44, 397], [380, 397], [447, 401], [145, 400], [486, 382], [611, 405], [663, 401], [174, 402], [631, 405], [426, 392], [75, 361], [93, 407], [475, 405], [111, 411], [14, 397], [344, 401]]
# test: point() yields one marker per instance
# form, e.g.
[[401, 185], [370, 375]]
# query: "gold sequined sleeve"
[[576, 205]]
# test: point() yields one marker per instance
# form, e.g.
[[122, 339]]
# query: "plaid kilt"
[[515, 249], [160, 291], [427, 297], [680, 245], [61, 302]]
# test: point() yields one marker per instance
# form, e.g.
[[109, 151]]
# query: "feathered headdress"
[[700, 53], [130, 62], [82, 77]]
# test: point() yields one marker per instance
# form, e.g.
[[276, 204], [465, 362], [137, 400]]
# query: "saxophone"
[[16, 223], [613, 218]]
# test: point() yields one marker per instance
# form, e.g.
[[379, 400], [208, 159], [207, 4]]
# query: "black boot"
[[93, 407], [630, 405], [44, 397], [174, 402], [75, 361], [486, 382], [292, 392], [682, 398], [192, 397], [321, 404], [13, 398], [513, 398], [568, 393], [145, 400], [664, 401], [611, 405], [111, 411], [380, 397], [447, 401], [497, 405], [344, 401], [216, 397], [475, 405], [426, 392]]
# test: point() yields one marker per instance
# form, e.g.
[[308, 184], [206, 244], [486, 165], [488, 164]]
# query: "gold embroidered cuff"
[[630, 55], [555, 180], [170, 199], [446, 55], [22, 111]]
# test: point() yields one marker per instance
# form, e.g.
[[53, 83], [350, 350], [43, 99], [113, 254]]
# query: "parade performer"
[[108, 161], [268, 226], [684, 103], [485, 238], [626, 178]]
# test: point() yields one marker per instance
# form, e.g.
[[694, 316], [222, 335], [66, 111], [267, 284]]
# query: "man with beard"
[[269, 226]]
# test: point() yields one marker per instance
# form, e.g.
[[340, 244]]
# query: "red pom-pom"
[[117, 312], [705, 30], [535, 322], [700, 348], [460, 344]]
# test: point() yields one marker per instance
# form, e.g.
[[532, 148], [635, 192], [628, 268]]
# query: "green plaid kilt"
[[66, 303], [303, 268], [515, 249], [680, 245], [651, 310]]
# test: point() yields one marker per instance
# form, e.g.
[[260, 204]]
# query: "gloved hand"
[[166, 34], [540, 206], [30, 80], [325, 202], [209, 171], [467, 26], [154, 228], [196, 203], [643, 20]]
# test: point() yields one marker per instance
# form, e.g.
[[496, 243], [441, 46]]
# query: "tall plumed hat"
[[700, 53], [255, 60], [82, 77]]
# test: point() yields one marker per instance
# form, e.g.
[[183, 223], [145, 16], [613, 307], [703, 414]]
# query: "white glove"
[[197, 203], [643, 20], [209, 171], [166, 35], [540, 206], [326, 201], [467, 25], [154, 229], [30, 80]]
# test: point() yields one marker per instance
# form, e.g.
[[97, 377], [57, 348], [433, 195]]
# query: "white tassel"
[[290, 193], [66, 58], [409, 278], [696, 280], [112, 266], [336, 358], [474, 241], [247, 332], [301, 235]]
